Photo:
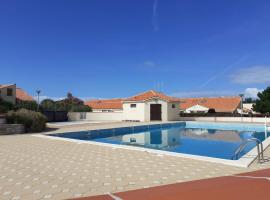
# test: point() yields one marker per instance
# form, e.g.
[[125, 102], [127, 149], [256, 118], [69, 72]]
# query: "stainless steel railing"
[[259, 146]]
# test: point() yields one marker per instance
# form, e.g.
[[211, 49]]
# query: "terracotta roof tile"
[[220, 104], [150, 95], [22, 95], [105, 104]]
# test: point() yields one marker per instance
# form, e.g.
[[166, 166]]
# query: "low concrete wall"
[[11, 129], [226, 119], [96, 116]]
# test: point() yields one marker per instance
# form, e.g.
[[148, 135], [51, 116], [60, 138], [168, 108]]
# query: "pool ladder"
[[245, 143], [265, 127]]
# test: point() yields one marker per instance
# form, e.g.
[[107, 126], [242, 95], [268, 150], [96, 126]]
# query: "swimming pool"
[[216, 140]]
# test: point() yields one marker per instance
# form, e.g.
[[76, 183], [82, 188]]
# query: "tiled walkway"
[[40, 168]]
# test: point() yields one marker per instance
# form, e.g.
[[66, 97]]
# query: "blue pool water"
[[205, 139]]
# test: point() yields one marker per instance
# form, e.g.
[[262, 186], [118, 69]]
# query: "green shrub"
[[29, 105], [48, 105], [33, 121], [80, 108], [69, 104], [5, 106]]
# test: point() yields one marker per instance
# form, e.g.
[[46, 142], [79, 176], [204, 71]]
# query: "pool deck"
[[40, 168]]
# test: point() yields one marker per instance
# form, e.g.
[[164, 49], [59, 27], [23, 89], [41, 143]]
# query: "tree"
[[5, 106], [47, 105], [29, 105], [69, 104], [249, 100], [262, 104]]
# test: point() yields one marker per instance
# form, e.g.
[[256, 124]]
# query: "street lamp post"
[[241, 95], [38, 93]]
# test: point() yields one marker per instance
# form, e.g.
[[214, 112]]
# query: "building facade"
[[144, 107], [8, 93]]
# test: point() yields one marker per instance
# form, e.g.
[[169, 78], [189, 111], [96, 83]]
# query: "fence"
[[56, 116]]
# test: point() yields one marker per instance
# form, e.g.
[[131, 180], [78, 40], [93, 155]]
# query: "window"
[[173, 105], [133, 105], [9, 92]]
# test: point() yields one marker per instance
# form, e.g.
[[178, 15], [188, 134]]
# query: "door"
[[155, 112]]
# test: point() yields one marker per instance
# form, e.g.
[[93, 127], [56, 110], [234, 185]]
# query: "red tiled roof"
[[105, 104], [150, 95], [220, 104], [22, 95]]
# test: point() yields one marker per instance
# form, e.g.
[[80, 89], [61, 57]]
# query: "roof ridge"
[[141, 93]]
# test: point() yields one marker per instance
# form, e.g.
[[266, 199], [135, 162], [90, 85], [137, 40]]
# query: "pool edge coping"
[[245, 161]]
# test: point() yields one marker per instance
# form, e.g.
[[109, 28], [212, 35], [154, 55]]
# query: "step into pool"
[[218, 140]]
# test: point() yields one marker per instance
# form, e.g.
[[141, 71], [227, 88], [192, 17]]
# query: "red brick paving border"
[[221, 188]]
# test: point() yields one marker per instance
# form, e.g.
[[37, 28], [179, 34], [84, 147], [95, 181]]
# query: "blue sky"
[[117, 48]]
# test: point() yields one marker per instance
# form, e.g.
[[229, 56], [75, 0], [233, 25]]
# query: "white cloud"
[[155, 22], [254, 74], [224, 71], [252, 92], [206, 93], [149, 64]]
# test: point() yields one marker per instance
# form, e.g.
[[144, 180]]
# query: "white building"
[[151, 106], [248, 108], [144, 107]]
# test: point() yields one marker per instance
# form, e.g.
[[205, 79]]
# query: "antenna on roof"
[[161, 86]]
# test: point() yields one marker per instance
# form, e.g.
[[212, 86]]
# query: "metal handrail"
[[244, 144]]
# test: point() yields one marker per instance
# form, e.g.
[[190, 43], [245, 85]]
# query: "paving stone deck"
[[40, 168]]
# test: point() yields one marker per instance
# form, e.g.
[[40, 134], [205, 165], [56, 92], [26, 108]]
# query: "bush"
[[5, 106], [69, 104], [80, 108], [33, 121], [29, 105], [48, 105]]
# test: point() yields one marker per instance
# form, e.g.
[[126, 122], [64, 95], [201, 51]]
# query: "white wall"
[[164, 109], [140, 113], [142, 110], [137, 113], [226, 119], [96, 116], [173, 113]]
